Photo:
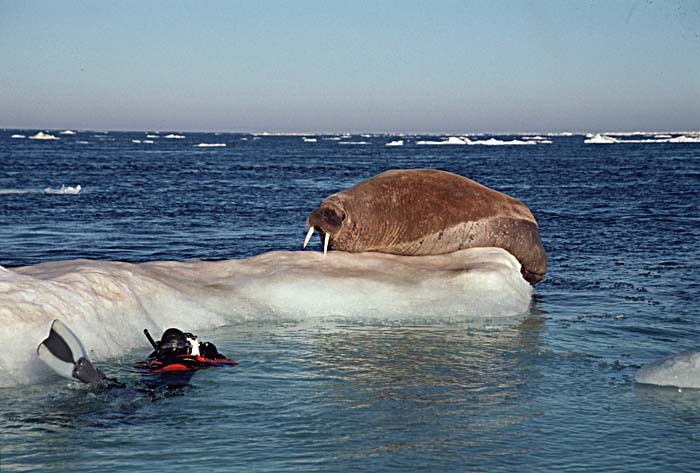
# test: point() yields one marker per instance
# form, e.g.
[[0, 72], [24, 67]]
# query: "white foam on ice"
[[43, 136], [681, 370], [108, 304]]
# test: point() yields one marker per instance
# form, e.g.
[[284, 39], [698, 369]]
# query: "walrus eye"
[[333, 218]]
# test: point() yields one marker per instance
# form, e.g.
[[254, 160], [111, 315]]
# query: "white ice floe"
[[599, 139], [148, 142], [211, 145], [136, 141], [18, 136], [173, 136], [332, 138], [63, 190], [662, 136], [681, 370], [497, 142], [353, 143], [395, 143], [452, 140], [43, 136], [152, 136], [108, 304], [82, 142], [309, 140], [67, 132]]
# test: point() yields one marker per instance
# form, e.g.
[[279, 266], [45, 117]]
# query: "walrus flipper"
[[63, 352]]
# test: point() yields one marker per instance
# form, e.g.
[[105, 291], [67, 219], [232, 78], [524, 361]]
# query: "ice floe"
[[71, 190], [681, 370], [18, 136], [599, 139], [173, 136], [67, 132], [43, 136], [109, 303], [395, 143], [211, 145]]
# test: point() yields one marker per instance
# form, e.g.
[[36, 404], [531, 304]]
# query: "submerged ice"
[[681, 371], [108, 304]]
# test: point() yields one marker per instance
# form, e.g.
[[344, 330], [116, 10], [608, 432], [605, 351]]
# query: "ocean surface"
[[405, 376]]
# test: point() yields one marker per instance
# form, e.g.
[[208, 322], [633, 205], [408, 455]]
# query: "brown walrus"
[[428, 212]]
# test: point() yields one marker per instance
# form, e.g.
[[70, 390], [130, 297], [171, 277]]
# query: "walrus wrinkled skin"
[[428, 212]]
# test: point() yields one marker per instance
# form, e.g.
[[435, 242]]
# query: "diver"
[[175, 358]]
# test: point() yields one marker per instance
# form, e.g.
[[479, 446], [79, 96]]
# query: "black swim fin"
[[63, 353]]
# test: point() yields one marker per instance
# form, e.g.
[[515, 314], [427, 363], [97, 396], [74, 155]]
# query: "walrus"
[[418, 212]]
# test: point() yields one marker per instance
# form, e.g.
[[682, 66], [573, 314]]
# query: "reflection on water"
[[333, 394]]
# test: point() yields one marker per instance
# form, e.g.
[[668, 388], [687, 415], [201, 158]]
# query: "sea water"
[[406, 376]]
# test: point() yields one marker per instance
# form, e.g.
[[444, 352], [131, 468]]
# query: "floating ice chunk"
[[43, 136], [108, 304], [64, 190], [136, 141], [353, 143], [599, 139], [681, 370], [685, 139], [309, 140], [152, 136], [662, 136], [452, 140], [18, 136], [148, 142], [67, 132], [395, 143], [82, 142], [332, 138], [496, 142], [211, 145], [173, 136]]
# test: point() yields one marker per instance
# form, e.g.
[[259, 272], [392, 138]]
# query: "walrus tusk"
[[308, 236], [325, 244]]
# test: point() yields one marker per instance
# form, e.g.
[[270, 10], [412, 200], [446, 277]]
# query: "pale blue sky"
[[432, 66]]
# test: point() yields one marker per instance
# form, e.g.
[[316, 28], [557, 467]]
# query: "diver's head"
[[172, 344]]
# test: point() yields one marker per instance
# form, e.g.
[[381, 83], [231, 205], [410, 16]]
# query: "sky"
[[351, 66]]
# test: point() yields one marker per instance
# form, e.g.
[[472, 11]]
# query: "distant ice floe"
[[67, 132], [211, 145], [353, 143], [152, 136], [463, 140], [395, 143], [452, 140], [331, 138], [599, 139], [681, 371], [309, 140], [606, 139], [173, 136], [43, 136], [82, 142], [18, 136], [71, 190]]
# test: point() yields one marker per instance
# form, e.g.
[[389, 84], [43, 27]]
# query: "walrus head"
[[327, 220]]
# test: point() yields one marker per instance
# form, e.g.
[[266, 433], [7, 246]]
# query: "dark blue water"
[[550, 391]]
